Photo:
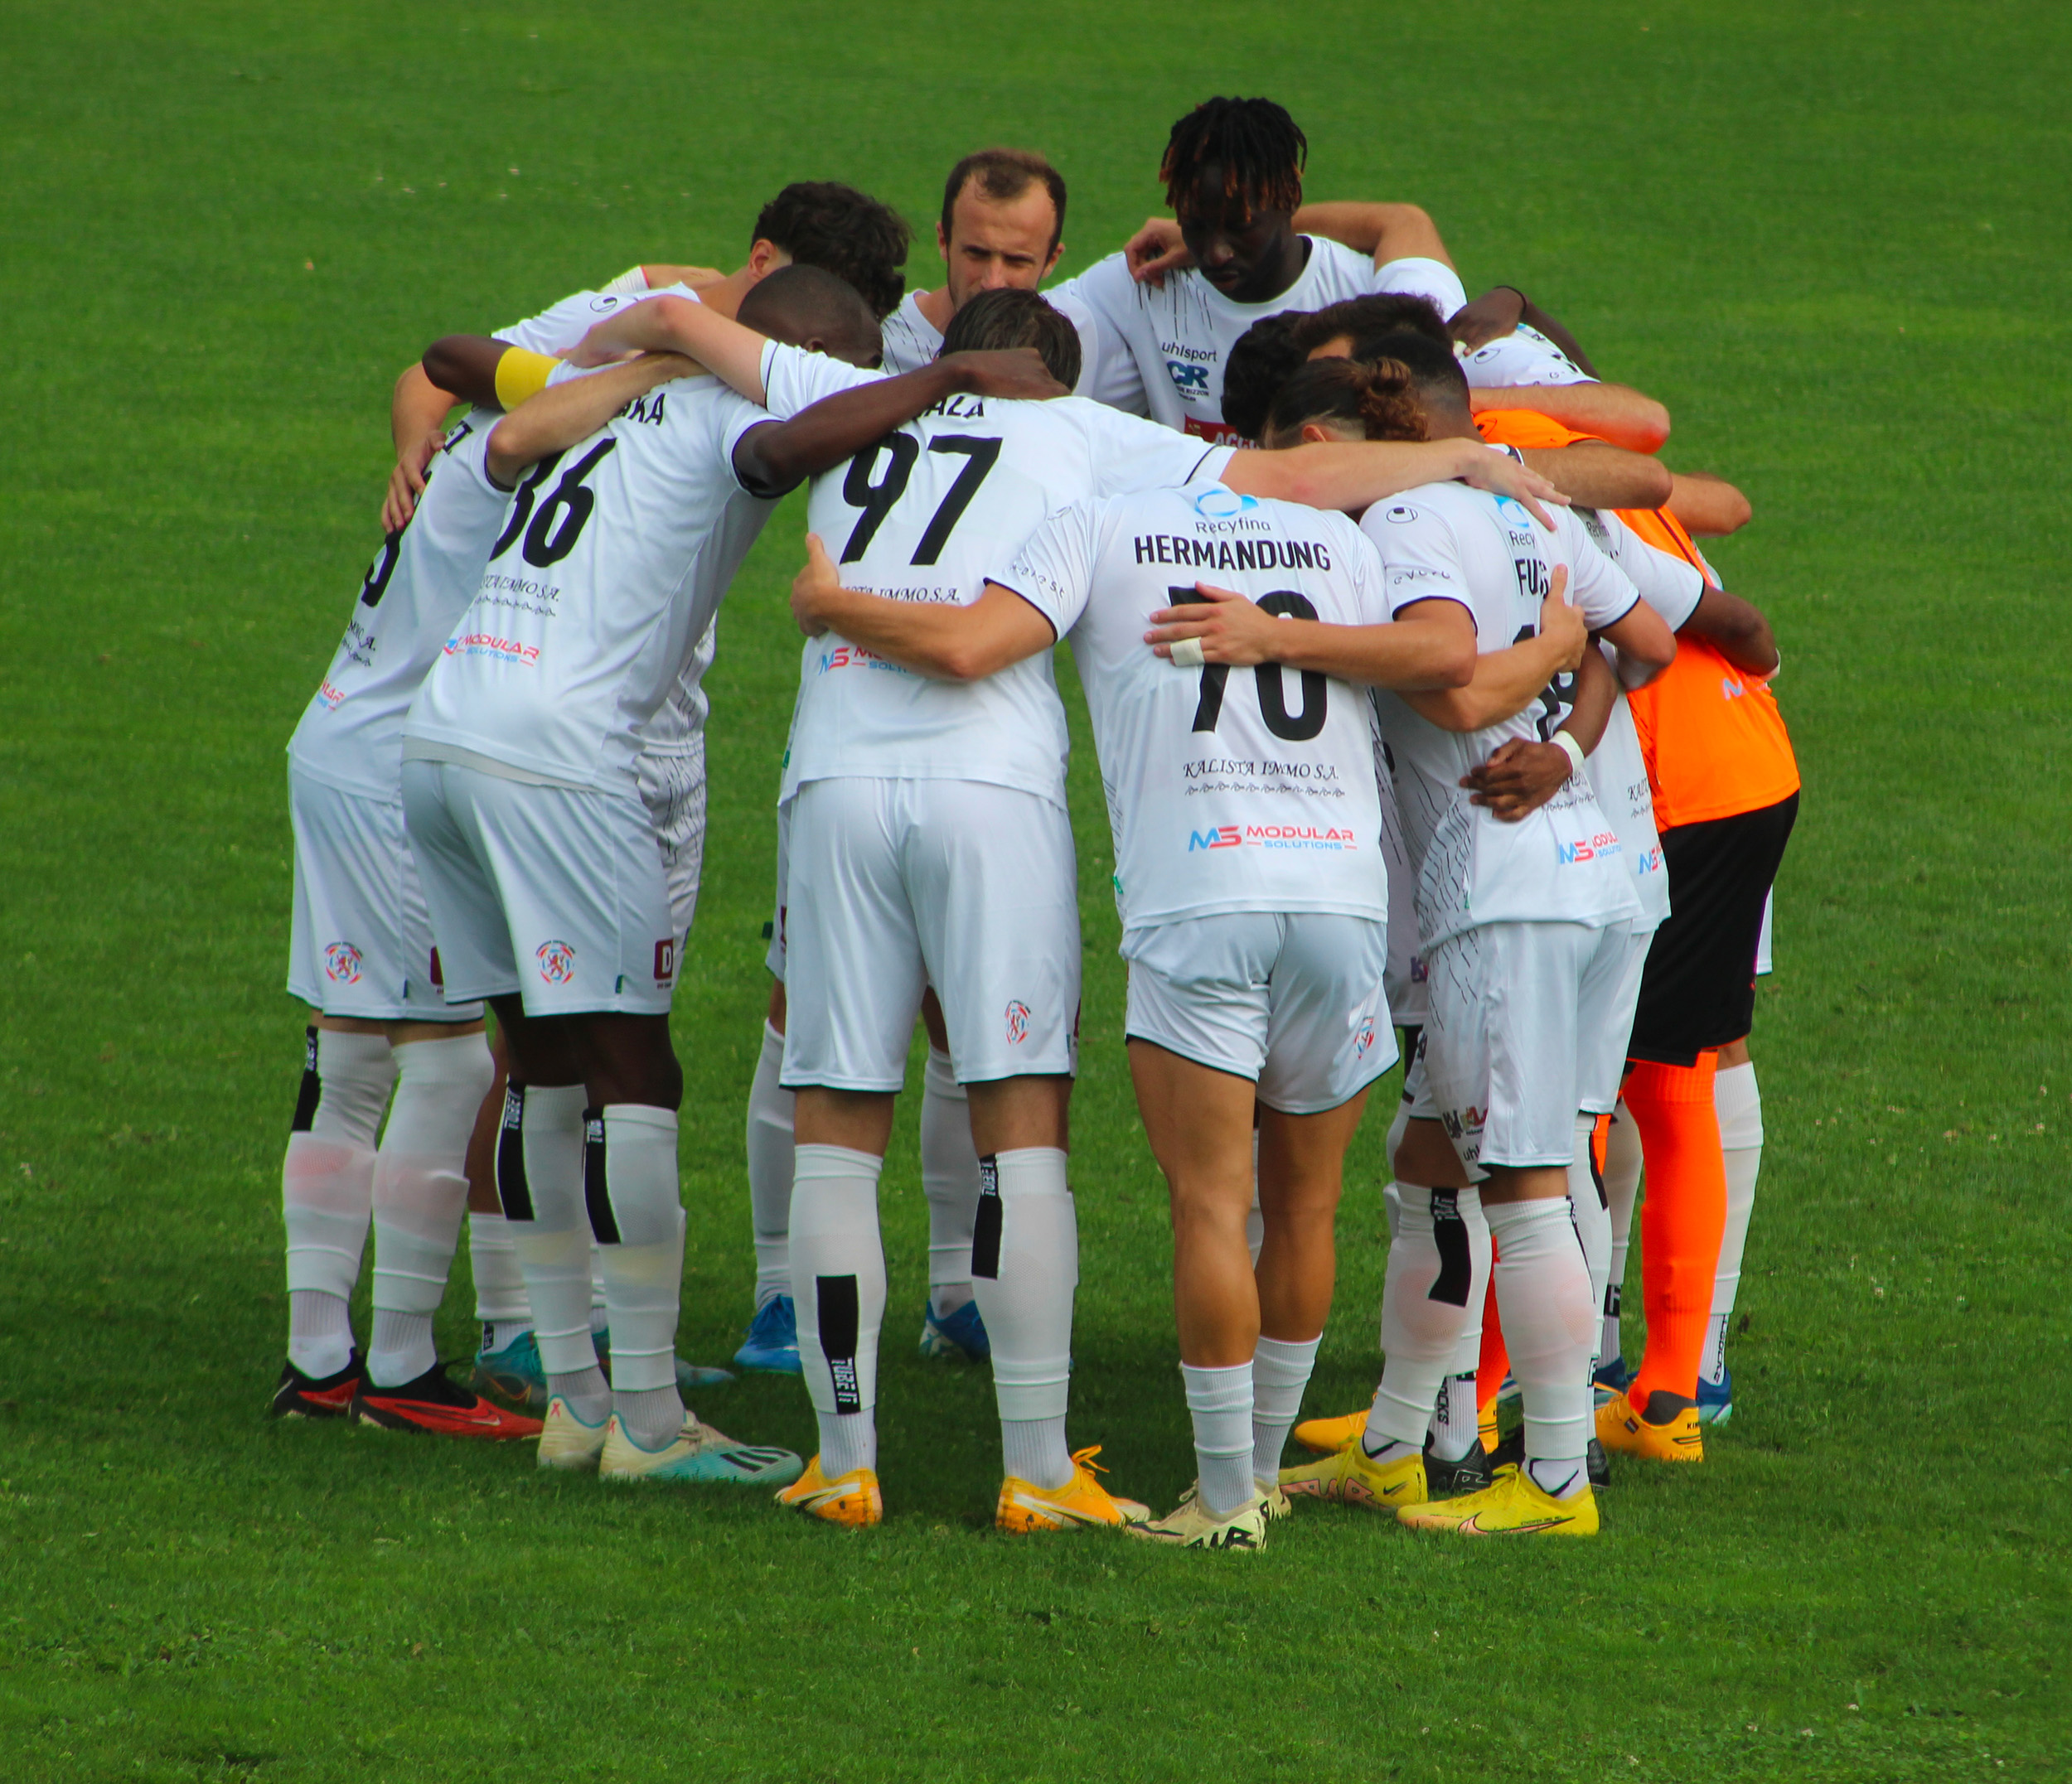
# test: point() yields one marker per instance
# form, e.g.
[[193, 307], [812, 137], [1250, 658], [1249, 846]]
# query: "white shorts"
[[1604, 1010], [360, 942], [555, 893], [1501, 1062], [1762, 937], [773, 955], [673, 788], [1292, 1001], [896, 885]]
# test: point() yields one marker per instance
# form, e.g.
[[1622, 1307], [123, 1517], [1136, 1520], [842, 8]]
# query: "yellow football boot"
[[567, 1443], [1194, 1525], [1082, 1502], [851, 1500], [1620, 1427], [1327, 1437], [1511, 1505], [1352, 1477]]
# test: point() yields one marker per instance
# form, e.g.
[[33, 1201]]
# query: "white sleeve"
[[733, 417], [1420, 558], [793, 378], [1369, 575], [1131, 455], [632, 280], [1523, 359], [1666, 583], [1598, 589], [1052, 568], [556, 329], [1421, 278], [1104, 299]]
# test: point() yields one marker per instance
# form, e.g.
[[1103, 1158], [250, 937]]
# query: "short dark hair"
[[996, 319], [1378, 313], [825, 223], [1003, 175], [1378, 400], [796, 302], [1255, 143], [1433, 369], [1262, 360]]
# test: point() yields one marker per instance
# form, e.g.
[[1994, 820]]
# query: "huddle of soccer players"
[[1486, 660]]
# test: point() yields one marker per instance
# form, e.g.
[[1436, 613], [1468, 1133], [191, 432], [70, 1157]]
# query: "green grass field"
[[1819, 233]]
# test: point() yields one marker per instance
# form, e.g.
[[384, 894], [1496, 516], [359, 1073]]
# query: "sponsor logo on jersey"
[[1650, 863], [1419, 972], [855, 657], [1364, 1042], [665, 959], [1190, 380], [603, 302], [1401, 514], [1273, 836], [1017, 1022], [1214, 432], [343, 963], [1730, 689], [329, 695], [1512, 512], [557, 961], [1216, 503], [487, 644], [1597, 848]]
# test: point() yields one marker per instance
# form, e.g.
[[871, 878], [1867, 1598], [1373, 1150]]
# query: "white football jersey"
[[1560, 863], [606, 576], [1163, 349], [1618, 772], [1229, 789], [1523, 357], [1404, 979], [420, 582], [925, 515], [911, 341]]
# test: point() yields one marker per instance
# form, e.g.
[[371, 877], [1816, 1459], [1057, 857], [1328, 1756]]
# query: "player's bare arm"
[[1387, 232], [555, 419], [1352, 476], [1499, 311], [1737, 629], [1437, 650], [933, 639], [780, 456], [1520, 776], [1505, 682], [1645, 644], [1708, 506], [1599, 475], [417, 422], [1614, 411]]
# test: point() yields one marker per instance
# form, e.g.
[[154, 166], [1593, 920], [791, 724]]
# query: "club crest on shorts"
[[1364, 1042], [665, 959], [557, 961], [343, 963], [1017, 1022]]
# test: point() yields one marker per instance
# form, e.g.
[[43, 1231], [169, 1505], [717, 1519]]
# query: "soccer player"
[[541, 863], [362, 957], [1512, 919], [929, 844]]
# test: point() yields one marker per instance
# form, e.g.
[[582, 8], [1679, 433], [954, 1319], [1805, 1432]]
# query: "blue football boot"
[[960, 1336], [773, 1344], [1716, 1399]]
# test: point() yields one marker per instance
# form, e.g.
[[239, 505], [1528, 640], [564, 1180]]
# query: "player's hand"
[[1495, 313], [406, 482], [598, 348], [1230, 628], [1010, 374], [814, 584], [1519, 778], [1502, 475], [1562, 623], [1154, 251]]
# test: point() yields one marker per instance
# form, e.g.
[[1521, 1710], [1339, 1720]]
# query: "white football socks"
[[1622, 1192], [950, 1180], [500, 1285], [327, 1189], [1740, 1106], [838, 1283], [1454, 1429], [420, 1194], [540, 1183], [1280, 1369], [770, 1166], [1543, 1289], [1219, 1402], [1438, 1272], [1591, 1218], [637, 1213], [1025, 1264]]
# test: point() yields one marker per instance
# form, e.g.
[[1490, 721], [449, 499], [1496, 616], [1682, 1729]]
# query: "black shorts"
[[1698, 990]]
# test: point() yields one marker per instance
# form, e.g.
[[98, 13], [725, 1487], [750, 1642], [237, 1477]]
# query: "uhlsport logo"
[[1017, 1022], [342, 964], [1216, 503], [557, 961]]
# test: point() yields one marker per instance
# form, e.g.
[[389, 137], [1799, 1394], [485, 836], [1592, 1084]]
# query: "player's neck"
[[935, 308], [1459, 425], [725, 296]]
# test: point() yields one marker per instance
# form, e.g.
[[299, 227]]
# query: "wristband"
[[633, 279], [1565, 741], [520, 374], [1186, 652]]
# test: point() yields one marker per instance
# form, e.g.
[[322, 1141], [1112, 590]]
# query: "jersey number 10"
[[1295, 727]]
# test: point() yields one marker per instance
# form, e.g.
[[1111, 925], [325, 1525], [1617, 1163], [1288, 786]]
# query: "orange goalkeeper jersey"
[[1714, 740]]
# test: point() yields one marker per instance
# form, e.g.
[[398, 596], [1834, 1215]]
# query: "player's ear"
[[1056, 255], [1314, 433], [942, 241]]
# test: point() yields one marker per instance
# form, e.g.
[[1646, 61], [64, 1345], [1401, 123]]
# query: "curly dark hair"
[[1254, 142], [825, 223], [1380, 399], [1260, 361], [1368, 318]]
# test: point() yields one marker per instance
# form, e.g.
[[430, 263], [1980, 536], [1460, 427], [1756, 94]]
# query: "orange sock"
[[1681, 1221], [1495, 1361]]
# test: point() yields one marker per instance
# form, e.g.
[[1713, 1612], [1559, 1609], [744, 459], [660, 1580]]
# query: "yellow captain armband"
[[521, 375]]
